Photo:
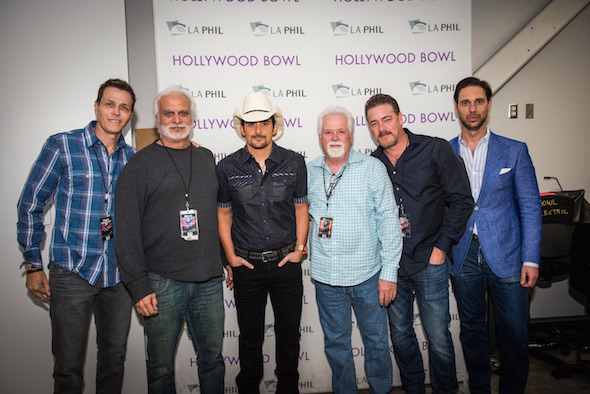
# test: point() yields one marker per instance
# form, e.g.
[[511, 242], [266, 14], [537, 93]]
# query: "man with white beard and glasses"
[[168, 249], [355, 248], [432, 191]]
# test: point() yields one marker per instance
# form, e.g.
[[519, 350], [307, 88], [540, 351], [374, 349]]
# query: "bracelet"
[[303, 248], [34, 270]]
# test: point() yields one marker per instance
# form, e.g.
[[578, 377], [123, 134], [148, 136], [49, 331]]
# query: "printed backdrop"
[[306, 55]]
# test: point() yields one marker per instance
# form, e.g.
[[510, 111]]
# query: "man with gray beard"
[[355, 248], [168, 249]]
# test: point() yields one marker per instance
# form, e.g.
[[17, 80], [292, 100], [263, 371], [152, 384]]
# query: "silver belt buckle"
[[267, 256]]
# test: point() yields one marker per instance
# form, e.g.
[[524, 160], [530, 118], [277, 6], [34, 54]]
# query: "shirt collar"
[[275, 154], [412, 140], [484, 140], [92, 138], [353, 157]]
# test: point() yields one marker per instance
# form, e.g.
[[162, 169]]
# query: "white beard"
[[335, 151], [165, 132]]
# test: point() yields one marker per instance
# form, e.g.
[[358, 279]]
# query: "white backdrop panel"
[[306, 55]]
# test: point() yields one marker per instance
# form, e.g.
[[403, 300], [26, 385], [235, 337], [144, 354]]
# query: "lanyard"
[[333, 183], [109, 176], [190, 174]]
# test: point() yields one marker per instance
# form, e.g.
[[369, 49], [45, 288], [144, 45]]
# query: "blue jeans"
[[72, 302], [334, 304], [251, 290], [431, 288], [201, 306], [511, 304]]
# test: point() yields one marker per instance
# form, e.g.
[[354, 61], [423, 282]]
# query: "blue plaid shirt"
[[366, 236], [68, 171]]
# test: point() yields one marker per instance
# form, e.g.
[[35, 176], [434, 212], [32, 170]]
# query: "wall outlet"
[[512, 111]]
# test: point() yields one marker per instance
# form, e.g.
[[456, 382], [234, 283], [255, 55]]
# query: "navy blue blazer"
[[507, 212]]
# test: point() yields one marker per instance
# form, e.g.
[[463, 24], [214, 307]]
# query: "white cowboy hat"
[[256, 108]]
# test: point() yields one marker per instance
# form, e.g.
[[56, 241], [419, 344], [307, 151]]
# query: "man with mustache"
[[432, 191], [501, 246], [263, 223], [355, 248], [168, 250]]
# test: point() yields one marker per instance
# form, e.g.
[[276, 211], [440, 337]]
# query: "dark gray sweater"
[[149, 195]]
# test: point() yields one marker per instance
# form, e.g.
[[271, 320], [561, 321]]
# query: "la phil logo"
[[306, 330], [209, 94], [418, 88], [340, 28], [342, 91], [416, 321], [177, 28], [270, 385], [269, 330], [419, 27], [273, 93], [262, 29]]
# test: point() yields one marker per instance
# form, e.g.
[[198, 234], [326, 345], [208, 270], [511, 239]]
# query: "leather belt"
[[265, 257], [475, 238]]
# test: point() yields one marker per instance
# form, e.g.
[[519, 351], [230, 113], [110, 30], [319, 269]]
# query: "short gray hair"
[[336, 110]]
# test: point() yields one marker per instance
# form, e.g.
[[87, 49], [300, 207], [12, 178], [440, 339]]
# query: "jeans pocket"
[[56, 269], [158, 283]]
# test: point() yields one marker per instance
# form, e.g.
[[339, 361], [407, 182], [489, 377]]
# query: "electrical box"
[[529, 111]]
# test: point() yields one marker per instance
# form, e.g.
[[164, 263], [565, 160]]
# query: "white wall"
[[495, 22], [557, 82], [55, 53], [54, 56]]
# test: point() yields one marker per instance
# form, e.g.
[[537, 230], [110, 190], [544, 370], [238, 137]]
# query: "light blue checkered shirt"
[[366, 236]]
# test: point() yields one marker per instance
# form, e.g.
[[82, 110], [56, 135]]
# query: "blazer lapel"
[[493, 166]]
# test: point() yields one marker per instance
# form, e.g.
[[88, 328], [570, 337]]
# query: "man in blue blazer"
[[501, 244]]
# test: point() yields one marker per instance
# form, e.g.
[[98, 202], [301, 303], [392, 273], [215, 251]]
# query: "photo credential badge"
[[189, 225]]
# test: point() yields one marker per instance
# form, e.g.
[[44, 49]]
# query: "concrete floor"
[[541, 379]]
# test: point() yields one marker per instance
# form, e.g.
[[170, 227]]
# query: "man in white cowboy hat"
[[263, 223]]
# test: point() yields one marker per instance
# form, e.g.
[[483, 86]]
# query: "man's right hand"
[[236, 261], [147, 306], [38, 285]]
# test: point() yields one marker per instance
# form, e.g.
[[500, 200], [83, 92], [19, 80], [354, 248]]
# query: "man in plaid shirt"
[[78, 170]]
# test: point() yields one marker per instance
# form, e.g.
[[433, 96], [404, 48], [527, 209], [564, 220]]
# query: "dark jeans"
[[431, 289], [72, 302], [251, 289], [201, 306], [511, 304]]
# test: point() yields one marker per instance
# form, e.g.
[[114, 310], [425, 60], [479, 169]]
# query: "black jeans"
[[251, 289], [73, 300]]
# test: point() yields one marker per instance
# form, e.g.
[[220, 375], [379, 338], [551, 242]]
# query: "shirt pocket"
[[240, 187], [283, 185], [79, 188]]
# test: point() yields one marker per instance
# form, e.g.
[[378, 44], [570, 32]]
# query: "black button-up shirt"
[[263, 204], [431, 183]]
